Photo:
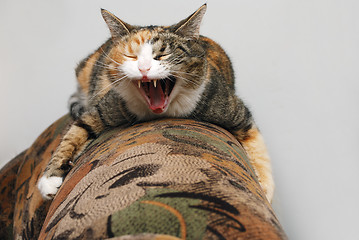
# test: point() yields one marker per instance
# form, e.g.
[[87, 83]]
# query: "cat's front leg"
[[256, 149], [61, 161]]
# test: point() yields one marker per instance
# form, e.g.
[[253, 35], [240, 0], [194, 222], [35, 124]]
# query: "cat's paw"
[[48, 186]]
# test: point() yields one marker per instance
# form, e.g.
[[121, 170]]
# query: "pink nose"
[[144, 70], [144, 65]]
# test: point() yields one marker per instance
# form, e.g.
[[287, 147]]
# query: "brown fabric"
[[168, 179], [8, 176], [30, 210]]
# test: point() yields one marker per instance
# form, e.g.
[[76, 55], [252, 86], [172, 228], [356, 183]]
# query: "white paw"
[[48, 186]]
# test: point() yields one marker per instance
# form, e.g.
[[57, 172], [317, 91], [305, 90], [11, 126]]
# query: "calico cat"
[[144, 73]]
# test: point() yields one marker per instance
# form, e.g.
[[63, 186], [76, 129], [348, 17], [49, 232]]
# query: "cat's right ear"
[[189, 27], [117, 27]]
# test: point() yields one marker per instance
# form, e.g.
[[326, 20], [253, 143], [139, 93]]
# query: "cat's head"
[[157, 70]]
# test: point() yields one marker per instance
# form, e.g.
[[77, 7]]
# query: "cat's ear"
[[117, 27], [189, 27]]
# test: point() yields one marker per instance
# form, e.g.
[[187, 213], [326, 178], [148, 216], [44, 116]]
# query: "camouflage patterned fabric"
[[167, 179]]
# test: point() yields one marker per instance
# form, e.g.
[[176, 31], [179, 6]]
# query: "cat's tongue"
[[158, 99]]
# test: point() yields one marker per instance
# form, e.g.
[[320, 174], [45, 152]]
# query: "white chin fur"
[[48, 186]]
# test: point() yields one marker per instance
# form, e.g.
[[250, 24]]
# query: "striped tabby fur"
[[144, 73]]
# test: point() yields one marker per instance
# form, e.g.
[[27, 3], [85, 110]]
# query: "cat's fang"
[[139, 83], [155, 83]]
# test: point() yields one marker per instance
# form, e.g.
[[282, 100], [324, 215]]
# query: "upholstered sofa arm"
[[167, 179]]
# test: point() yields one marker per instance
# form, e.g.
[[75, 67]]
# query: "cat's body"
[[144, 73]]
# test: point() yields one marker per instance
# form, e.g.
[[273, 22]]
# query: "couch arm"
[[167, 179]]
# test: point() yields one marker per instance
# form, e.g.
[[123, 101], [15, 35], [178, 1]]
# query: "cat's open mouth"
[[156, 92]]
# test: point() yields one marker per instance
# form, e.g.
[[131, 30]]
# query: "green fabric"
[[125, 222]]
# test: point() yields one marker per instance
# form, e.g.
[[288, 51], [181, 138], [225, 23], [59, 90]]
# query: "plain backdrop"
[[297, 67]]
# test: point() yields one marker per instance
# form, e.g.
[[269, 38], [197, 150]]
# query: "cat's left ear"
[[189, 27], [117, 27]]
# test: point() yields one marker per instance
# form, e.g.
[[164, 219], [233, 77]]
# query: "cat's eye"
[[160, 56], [130, 56]]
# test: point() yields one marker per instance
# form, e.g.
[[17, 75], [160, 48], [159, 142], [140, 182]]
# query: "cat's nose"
[[144, 70], [144, 65]]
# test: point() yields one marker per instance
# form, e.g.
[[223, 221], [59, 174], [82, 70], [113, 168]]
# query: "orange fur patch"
[[259, 158], [131, 47], [84, 75], [218, 59]]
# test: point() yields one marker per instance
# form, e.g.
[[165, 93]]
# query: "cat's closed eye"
[[160, 56], [131, 56]]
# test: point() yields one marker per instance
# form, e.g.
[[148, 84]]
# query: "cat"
[[145, 73]]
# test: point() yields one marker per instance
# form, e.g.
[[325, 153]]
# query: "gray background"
[[297, 68]]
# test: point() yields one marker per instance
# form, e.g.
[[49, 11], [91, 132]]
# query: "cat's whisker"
[[99, 63], [102, 65], [173, 61], [186, 79], [105, 67], [176, 58], [186, 73], [127, 82], [109, 85], [108, 57]]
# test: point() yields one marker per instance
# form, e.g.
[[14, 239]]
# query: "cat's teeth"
[[155, 83], [139, 83]]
